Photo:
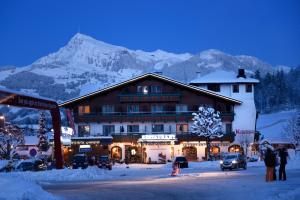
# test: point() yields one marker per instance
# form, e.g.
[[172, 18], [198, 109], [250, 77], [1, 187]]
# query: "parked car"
[[105, 162], [31, 165], [233, 161], [80, 161], [181, 161]]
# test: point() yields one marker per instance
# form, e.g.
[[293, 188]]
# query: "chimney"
[[241, 73]]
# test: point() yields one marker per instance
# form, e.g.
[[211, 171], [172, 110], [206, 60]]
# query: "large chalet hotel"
[[148, 119]]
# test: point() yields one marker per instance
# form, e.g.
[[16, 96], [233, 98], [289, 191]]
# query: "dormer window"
[[156, 89], [142, 89], [249, 88], [235, 88], [213, 87]]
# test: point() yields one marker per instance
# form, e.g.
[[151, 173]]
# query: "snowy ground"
[[201, 178]]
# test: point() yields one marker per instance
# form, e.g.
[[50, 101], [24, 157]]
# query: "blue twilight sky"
[[269, 30]]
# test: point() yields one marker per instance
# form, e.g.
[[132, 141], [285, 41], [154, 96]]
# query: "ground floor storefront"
[[151, 149]]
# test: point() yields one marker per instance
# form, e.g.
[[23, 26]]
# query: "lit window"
[[181, 128], [84, 110], [142, 89]]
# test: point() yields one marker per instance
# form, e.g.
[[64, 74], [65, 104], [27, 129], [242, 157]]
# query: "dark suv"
[[80, 161], [105, 162], [233, 161], [31, 165]]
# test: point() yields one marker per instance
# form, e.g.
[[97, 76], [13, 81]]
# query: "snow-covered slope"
[[272, 126]]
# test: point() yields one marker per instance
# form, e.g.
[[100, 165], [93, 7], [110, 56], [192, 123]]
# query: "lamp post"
[[2, 121]]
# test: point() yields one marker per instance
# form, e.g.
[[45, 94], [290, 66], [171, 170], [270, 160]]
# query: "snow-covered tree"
[[207, 123], [10, 137], [42, 135], [292, 129]]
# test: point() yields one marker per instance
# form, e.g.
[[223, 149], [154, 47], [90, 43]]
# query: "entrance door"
[[190, 153], [116, 153]]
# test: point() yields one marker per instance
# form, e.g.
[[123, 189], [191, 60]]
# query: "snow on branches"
[[207, 123], [10, 137], [292, 129], [42, 135]]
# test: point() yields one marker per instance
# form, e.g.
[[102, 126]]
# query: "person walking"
[[270, 160], [283, 154]]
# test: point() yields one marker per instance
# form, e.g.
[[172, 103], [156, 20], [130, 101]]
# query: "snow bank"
[[3, 163], [18, 189]]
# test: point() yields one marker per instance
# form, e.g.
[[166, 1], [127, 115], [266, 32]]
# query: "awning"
[[102, 140]]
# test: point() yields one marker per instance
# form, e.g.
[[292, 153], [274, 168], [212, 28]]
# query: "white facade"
[[245, 113]]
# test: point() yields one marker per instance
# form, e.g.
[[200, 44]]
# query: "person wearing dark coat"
[[283, 154], [270, 161]]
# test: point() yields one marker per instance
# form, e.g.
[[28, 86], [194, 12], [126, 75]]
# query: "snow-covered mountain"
[[86, 64]]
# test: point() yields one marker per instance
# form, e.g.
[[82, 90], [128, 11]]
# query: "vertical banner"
[[70, 120]]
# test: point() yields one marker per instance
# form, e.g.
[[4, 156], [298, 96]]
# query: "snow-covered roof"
[[208, 92], [271, 126], [31, 140], [222, 76]]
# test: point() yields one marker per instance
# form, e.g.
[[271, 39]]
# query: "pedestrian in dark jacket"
[[283, 154], [270, 161]]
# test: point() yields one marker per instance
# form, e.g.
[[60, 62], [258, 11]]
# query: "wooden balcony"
[[143, 117], [151, 97]]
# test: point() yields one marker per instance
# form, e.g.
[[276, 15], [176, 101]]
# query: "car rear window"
[[180, 159], [231, 157], [103, 158], [80, 158]]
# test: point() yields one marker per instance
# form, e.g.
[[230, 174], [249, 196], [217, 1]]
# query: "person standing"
[[270, 164], [283, 154]]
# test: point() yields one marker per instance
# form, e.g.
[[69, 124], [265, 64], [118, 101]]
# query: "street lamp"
[[2, 121]]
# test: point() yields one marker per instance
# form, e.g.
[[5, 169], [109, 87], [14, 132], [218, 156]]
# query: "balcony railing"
[[150, 97], [144, 116]]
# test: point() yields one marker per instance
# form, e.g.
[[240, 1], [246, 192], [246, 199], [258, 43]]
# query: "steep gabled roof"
[[164, 78]]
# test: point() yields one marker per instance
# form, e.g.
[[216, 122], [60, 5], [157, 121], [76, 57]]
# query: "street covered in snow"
[[202, 180]]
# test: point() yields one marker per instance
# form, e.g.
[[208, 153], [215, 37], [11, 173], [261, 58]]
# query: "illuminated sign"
[[84, 148], [159, 137]]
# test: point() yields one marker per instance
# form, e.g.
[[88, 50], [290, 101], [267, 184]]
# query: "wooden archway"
[[8, 97]]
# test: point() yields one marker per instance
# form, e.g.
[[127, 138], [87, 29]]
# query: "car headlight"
[[221, 161], [234, 161]]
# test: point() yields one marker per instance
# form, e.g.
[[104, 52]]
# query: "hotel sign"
[[159, 137]]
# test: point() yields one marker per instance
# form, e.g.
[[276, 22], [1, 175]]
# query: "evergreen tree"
[[43, 139], [207, 123]]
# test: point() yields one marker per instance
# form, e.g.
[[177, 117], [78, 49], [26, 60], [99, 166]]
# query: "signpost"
[[8, 97]]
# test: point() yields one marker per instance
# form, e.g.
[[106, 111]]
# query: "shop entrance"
[[116, 153], [190, 153], [235, 149]]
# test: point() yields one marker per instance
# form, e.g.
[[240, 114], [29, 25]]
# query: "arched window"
[[116, 153]]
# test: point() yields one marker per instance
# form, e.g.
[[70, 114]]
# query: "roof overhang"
[[195, 88]]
